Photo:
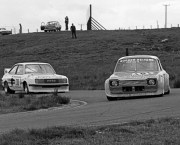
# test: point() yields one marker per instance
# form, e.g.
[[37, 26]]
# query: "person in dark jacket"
[[66, 22], [73, 30], [20, 29]]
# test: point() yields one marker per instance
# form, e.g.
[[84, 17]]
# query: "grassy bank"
[[90, 59], [164, 131], [21, 102]]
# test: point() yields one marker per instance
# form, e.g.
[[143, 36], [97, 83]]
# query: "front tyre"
[[7, 90], [111, 98], [26, 89], [168, 92]]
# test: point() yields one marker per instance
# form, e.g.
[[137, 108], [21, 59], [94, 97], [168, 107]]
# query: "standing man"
[[20, 28], [73, 30], [66, 22]]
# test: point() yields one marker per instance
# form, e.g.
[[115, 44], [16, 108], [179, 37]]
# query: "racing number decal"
[[17, 82]]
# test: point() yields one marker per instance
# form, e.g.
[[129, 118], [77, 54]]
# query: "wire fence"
[[16, 29], [145, 27]]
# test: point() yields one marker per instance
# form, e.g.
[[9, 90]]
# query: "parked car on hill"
[[51, 26], [3, 31], [139, 75], [33, 77]]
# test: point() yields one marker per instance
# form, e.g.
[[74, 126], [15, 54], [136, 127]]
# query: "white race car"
[[33, 77], [139, 75]]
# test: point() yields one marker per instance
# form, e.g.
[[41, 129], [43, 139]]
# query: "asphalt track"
[[97, 111]]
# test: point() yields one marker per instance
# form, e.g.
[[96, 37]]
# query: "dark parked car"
[[51, 26]]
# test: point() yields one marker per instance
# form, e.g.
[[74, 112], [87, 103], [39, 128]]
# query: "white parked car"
[[33, 77], [3, 31]]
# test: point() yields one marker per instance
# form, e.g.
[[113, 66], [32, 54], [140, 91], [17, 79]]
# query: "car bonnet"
[[134, 75]]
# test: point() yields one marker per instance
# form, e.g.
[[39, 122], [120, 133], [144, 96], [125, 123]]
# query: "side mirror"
[[6, 70]]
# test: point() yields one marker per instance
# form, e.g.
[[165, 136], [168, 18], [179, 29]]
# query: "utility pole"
[[90, 19], [20, 29], [166, 15]]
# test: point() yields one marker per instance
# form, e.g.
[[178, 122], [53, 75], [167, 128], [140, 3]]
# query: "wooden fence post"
[[127, 52]]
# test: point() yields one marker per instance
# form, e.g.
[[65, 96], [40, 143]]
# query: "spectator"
[[66, 22], [20, 28], [73, 30]]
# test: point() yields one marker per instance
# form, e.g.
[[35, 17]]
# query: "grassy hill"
[[88, 60]]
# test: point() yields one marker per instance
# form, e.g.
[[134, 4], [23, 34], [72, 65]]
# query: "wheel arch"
[[4, 84], [24, 83]]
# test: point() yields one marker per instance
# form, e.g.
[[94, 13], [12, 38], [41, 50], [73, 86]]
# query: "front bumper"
[[133, 90], [40, 88], [132, 95]]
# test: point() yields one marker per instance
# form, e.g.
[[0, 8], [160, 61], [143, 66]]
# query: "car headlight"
[[64, 80], [114, 83], [151, 82]]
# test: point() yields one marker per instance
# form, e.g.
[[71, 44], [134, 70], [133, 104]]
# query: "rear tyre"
[[7, 90], [42, 27]]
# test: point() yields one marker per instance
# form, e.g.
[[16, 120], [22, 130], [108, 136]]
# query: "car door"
[[17, 77], [9, 77]]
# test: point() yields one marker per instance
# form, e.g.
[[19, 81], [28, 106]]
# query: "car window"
[[32, 68], [13, 70], [147, 65], [160, 66], [39, 68], [20, 70], [137, 64]]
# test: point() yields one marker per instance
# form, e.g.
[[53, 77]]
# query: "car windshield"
[[136, 64], [50, 23], [39, 68]]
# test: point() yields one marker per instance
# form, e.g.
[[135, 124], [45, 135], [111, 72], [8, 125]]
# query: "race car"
[[33, 77], [138, 75]]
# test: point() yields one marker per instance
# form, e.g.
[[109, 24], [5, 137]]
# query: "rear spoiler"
[[6, 70]]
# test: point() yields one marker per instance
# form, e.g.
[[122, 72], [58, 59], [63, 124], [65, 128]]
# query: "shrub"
[[61, 99], [53, 100], [21, 102], [21, 95]]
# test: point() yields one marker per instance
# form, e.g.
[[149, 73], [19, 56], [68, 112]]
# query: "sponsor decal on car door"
[[16, 82]]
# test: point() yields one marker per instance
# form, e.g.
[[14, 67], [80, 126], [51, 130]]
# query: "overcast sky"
[[112, 14]]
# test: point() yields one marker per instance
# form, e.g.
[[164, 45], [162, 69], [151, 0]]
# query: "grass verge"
[[20, 102], [93, 56], [164, 131]]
